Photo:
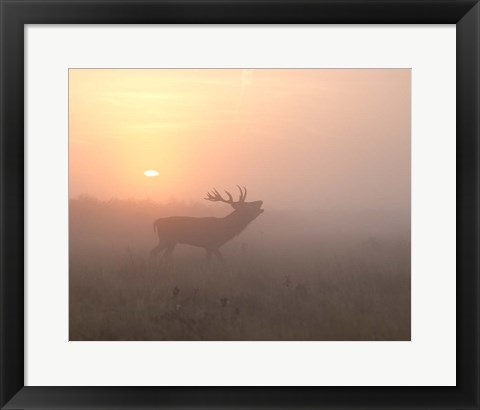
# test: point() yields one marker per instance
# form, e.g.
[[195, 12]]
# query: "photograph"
[[246, 204]]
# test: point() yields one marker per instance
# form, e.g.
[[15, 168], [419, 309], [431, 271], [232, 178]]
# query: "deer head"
[[247, 210]]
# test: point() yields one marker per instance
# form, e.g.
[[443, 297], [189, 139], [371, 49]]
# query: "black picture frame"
[[15, 14]]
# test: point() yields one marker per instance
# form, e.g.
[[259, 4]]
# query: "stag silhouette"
[[208, 233]]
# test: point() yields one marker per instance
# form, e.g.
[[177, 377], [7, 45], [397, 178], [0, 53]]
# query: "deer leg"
[[159, 248], [169, 250], [218, 255]]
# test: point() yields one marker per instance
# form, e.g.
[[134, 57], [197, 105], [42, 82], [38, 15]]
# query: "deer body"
[[209, 233]]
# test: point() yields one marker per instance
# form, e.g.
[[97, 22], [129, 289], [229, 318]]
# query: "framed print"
[[238, 204], [241, 110]]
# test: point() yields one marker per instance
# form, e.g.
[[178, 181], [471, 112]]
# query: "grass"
[[354, 290]]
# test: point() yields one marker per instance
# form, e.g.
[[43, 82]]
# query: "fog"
[[98, 226], [288, 276], [298, 139]]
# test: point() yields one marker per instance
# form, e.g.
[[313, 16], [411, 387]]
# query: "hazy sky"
[[327, 139]]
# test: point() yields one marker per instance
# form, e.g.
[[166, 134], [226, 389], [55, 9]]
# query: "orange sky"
[[296, 138]]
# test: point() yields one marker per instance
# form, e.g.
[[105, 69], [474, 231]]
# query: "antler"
[[243, 195], [215, 196]]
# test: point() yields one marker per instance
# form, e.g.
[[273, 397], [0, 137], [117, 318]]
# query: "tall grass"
[[305, 284]]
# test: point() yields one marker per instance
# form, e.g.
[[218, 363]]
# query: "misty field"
[[288, 276]]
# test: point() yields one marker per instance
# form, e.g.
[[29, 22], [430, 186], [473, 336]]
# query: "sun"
[[151, 173]]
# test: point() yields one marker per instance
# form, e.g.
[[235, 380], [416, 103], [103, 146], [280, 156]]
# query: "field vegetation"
[[311, 275]]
